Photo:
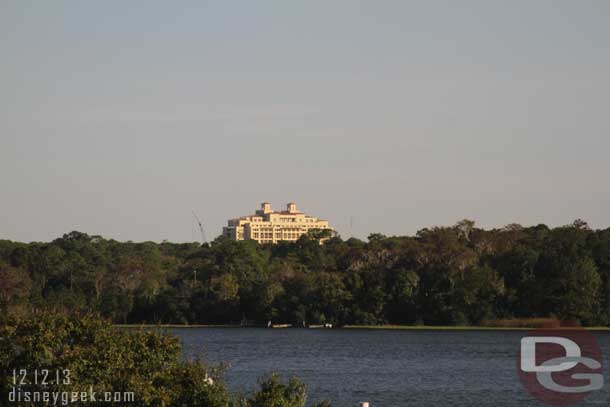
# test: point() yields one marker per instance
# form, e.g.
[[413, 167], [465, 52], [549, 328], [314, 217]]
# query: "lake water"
[[385, 367]]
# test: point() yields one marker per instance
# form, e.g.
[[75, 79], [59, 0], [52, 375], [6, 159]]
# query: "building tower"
[[269, 226]]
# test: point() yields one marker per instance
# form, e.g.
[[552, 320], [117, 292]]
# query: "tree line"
[[456, 275]]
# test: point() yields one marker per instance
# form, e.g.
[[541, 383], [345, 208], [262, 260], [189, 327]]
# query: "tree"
[[567, 276], [274, 393], [477, 295], [143, 364], [402, 285], [442, 275], [464, 228], [15, 287], [518, 269]]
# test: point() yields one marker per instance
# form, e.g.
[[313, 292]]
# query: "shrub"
[[107, 360], [274, 393]]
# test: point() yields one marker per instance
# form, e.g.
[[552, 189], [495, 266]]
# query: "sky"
[[120, 118]]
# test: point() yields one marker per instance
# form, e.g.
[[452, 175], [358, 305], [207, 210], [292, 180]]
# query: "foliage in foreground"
[[106, 359], [457, 275]]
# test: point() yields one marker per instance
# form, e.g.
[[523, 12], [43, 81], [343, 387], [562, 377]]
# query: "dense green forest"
[[441, 276]]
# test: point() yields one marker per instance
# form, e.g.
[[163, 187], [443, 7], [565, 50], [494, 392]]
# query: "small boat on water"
[[321, 326]]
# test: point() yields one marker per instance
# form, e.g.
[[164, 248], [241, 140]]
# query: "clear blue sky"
[[118, 118]]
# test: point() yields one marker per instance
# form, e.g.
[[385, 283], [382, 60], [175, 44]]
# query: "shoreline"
[[366, 327]]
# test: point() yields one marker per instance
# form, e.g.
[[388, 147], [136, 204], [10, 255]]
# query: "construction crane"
[[203, 239]]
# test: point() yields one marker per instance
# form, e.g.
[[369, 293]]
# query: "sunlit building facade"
[[268, 226]]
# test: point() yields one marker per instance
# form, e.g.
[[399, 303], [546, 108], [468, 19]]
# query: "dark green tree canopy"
[[442, 275]]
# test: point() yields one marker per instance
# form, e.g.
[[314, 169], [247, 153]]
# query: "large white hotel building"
[[268, 226]]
